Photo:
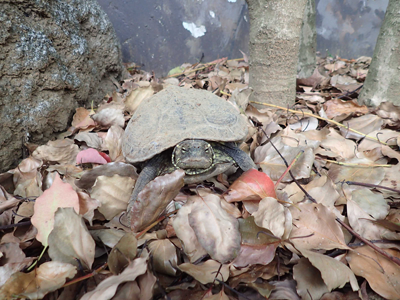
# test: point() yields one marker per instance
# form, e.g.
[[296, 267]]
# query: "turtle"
[[189, 129]]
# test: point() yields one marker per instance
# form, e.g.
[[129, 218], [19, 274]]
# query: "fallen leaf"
[[165, 259], [206, 272], [70, 240], [62, 151], [60, 194], [382, 274], [251, 185], [153, 199], [49, 277], [122, 253]]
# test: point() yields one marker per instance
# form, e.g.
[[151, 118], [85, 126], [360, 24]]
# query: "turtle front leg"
[[148, 173], [243, 160]]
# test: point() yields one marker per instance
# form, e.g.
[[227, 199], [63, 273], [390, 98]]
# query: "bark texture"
[[275, 27], [383, 80], [308, 42]]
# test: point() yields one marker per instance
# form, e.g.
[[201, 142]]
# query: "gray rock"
[[55, 55]]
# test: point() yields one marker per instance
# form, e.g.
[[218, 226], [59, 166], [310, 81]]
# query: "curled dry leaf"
[[315, 227], [191, 245], [271, 215], [7, 200], [364, 124], [70, 239], [310, 284], [82, 119], [116, 168], [206, 272], [141, 91], [334, 273], [113, 193], [165, 259], [60, 194], [382, 274], [27, 179], [62, 151], [91, 140], [122, 253], [337, 144], [92, 156], [154, 198], [110, 114], [338, 108], [13, 260], [216, 230], [49, 277], [87, 206], [109, 237], [113, 143], [108, 287], [251, 185]]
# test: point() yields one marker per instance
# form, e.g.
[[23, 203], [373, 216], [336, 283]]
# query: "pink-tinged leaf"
[[60, 194], [92, 156], [251, 185]]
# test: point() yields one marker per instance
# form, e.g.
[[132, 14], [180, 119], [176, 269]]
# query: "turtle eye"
[[207, 149], [184, 150]]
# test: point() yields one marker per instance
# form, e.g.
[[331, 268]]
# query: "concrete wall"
[[162, 34]]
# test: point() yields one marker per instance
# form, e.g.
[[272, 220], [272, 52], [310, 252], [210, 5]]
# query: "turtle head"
[[193, 156]]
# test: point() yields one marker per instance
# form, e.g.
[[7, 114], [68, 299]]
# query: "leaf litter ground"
[[327, 229]]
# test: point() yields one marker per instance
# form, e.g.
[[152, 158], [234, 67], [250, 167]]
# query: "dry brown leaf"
[[216, 230], [112, 143], [49, 277], [310, 284], [385, 135], [319, 222], [255, 254], [187, 236], [142, 91], [165, 259], [7, 200], [27, 179], [62, 151], [82, 119], [87, 206], [334, 273], [206, 272], [110, 114], [339, 108], [109, 237], [108, 287], [382, 274], [372, 203], [153, 199], [113, 193], [92, 140], [339, 145], [273, 165], [271, 215], [353, 172], [122, 253], [70, 240], [364, 124]]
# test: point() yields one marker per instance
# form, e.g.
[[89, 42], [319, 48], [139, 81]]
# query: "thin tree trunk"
[[308, 42], [383, 80], [275, 27]]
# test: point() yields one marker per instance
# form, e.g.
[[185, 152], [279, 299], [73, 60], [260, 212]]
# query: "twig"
[[372, 186], [377, 249], [357, 165], [290, 166]]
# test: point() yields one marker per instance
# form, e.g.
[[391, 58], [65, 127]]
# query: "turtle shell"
[[176, 114]]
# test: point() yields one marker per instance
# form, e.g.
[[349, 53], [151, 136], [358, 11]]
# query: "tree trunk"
[[383, 80], [308, 42], [275, 27]]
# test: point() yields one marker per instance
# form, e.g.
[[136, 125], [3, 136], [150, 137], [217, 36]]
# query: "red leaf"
[[251, 185], [92, 156]]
